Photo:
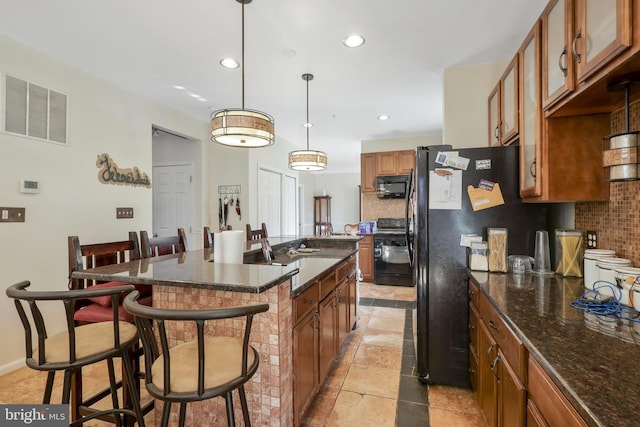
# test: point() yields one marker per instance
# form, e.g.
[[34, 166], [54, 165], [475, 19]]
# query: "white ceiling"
[[147, 46]]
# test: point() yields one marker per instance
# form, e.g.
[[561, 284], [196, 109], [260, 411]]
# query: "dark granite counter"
[[195, 268], [593, 366]]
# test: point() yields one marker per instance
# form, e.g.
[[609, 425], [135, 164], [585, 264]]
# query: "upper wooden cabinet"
[[384, 163], [503, 107], [558, 71], [603, 30]]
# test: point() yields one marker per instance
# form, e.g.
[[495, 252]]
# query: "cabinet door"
[[509, 97], [530, 116], [368, 173], [488, 386], [494, 116], [328, 334], [534, 417], [603, 30], [353, 301], [387, 163], [305, 362], [406, 161], [557, 63], [511, 396], [365, 257], [342, 299]]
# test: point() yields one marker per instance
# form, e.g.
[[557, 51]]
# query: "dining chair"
[[100, 309], [75, 347], [156, 246], [351, 229], [208, 238], [205, 367], [258, 234]]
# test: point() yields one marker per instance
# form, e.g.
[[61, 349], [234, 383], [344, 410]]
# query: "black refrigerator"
[[441, 335]]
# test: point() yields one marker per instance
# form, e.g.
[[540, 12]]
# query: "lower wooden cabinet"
[[365, 257], [321, 325], [305, 362], [512, 395], [488, 384]]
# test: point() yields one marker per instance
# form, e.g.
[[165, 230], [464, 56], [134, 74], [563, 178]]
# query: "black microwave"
[[392, 187]]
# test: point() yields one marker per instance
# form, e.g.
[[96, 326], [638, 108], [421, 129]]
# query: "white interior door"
[[269, 200], [172, 199], [290, 205]]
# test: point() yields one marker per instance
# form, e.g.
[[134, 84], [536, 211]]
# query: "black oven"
[[391, 259]]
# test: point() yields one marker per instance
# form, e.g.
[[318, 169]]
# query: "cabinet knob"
[[309, 301]]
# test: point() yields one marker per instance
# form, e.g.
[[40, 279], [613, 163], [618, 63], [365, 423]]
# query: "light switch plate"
[[124, 213], [12, 214]]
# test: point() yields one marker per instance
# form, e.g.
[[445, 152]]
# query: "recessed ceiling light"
[[229, 63], [353, 40], [194, 95], [308, 125], [384, 117], [202, 99], [178, 87]]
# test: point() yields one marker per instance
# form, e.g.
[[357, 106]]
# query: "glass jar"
[[478, 256], [497, 243], [569, 253]]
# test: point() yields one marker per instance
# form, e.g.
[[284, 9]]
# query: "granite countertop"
[[595, 370], [195, 268]]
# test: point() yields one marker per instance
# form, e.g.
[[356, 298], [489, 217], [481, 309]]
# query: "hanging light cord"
[[243, 55], [308, 125]]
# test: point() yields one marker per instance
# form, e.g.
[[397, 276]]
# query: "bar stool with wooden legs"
[[206, 367], [78, 346]]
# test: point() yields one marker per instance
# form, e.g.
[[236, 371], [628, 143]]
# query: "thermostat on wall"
[[29, 186]]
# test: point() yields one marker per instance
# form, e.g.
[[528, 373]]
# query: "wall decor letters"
[[110, 173]]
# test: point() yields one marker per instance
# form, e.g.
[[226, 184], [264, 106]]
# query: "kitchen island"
[[191, 281], [592, 363]]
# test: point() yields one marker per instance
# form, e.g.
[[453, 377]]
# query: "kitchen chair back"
[[156, 246], [70, 350], [351, 229], [208, 238], [200, 369], [261, 233]]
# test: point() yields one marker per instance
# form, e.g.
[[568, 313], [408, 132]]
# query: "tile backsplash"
[[374, 208], [617, 222]]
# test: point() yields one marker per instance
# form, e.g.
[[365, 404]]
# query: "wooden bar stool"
[[258, 234], [78, 346], [156, 246], [206, 367]]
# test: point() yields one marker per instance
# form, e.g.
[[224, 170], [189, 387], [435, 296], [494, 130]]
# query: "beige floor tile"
[[382, 382], [443, 418], [321, 408], [382, 357], [403, 293], [357, 410], [365, 309], [387, 324], [453, 399], [383, 338], [393, 313]]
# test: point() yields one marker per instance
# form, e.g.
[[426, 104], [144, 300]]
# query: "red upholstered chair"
[[86, 256], [156, 246], [261, 233]]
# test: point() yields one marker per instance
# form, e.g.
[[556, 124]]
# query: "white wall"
[[345, 196], [102, 119], [397, 144], [466, 93]]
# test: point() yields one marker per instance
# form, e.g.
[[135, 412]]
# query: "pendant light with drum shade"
[[307, 160], [242, 127]]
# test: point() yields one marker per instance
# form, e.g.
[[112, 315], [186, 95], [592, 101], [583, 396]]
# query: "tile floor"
[[372, 382]]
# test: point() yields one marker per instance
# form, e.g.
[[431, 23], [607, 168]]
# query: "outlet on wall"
[[592, 240]]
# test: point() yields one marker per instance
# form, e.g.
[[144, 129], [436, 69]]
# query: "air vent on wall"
[[34, 111]]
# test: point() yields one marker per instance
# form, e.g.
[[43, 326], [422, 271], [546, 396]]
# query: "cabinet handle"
[[490, 350], [471, 293], [309, 301], [493, 364], [576, 55], [563, 54], [493, 325], [317, 315], [496, 131], [532, 168]]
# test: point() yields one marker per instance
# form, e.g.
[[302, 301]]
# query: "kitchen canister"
[[607, 274], [569, 253], [478, 256], [590, 267], [497, 242], [628, 278]]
